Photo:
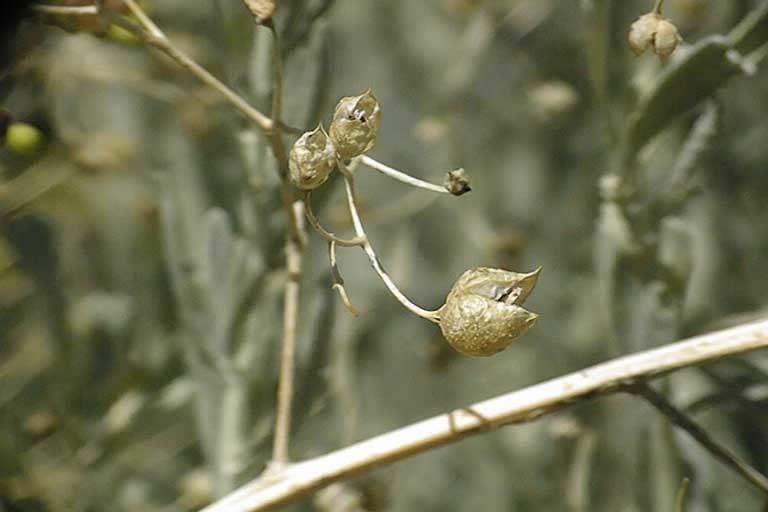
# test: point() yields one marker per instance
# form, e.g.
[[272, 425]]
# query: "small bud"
[[483, 315], [23, 138], [654, 32], [666, 40], [312, 159], [355, 123], [262, 10], [457, 182]]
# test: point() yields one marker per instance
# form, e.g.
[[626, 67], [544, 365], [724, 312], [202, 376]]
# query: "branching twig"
[[719, 452], [295, 239], [401, 176], [520, 406], [374, 259], [157, 38]]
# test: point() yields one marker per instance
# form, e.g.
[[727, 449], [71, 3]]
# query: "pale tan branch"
[[527, 404], [66, 10], [157, 38]]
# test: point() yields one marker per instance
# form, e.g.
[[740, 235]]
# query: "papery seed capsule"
[[642, 32], [457, 182], [483, 313], [355, 123], [666, 39], [312, 159]]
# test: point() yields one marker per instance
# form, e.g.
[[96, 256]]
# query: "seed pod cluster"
[[353, 132], [483, 313], [654, 32]]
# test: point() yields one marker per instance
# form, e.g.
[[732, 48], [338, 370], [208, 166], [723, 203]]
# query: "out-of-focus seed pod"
[[642, 32], [355, 124], [457, 182], [666, 40], [23, 138], [654, 32], [312, 159], [483, 313], [262, 10]]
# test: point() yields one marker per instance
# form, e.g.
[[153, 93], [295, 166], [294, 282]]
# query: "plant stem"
[[657, 6], [521, 406], [155, 37], [338, 281], [62, 10], [294, 243], [288, 354], [401, 176], [357, 222], [277, 63], [719, 452], [330, 237]]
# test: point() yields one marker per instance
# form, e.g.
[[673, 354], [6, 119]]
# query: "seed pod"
[[654, 32], [312, 159], [666, 39], [457, 182], [642, 32], [483, 313], [355, 123]]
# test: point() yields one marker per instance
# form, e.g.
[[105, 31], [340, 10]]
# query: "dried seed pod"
[[483, 313], [642, 32], [457, 182], [355, 123], [312, 159], [666, 39], [654, 32]]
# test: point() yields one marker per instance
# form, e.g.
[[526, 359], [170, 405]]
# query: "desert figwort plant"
[[215, 279]]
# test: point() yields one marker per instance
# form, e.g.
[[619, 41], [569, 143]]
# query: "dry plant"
[[640, 233]]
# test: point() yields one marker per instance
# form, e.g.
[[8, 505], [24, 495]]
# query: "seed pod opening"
[[355, 124], [483, 313], [312, 159]]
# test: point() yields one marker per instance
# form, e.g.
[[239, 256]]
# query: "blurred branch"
[[525, 405], [152, 34], [678, 418], [64, 10]]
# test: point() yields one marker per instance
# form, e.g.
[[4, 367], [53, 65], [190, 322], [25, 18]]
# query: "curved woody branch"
[[521, 406]]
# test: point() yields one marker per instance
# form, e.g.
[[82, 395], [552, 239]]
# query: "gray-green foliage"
[[141, 255]]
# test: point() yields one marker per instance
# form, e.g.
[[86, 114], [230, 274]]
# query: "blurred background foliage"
[[141, 260]]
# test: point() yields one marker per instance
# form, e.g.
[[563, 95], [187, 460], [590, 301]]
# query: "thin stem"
[[338, 281], [719, 452], [681, 500], [525, 405], [401, 176], [155, 37], [294, 263], [330, 237], [657, 6], [295, 240], [61, 10], [357, 222], [277, 62]]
